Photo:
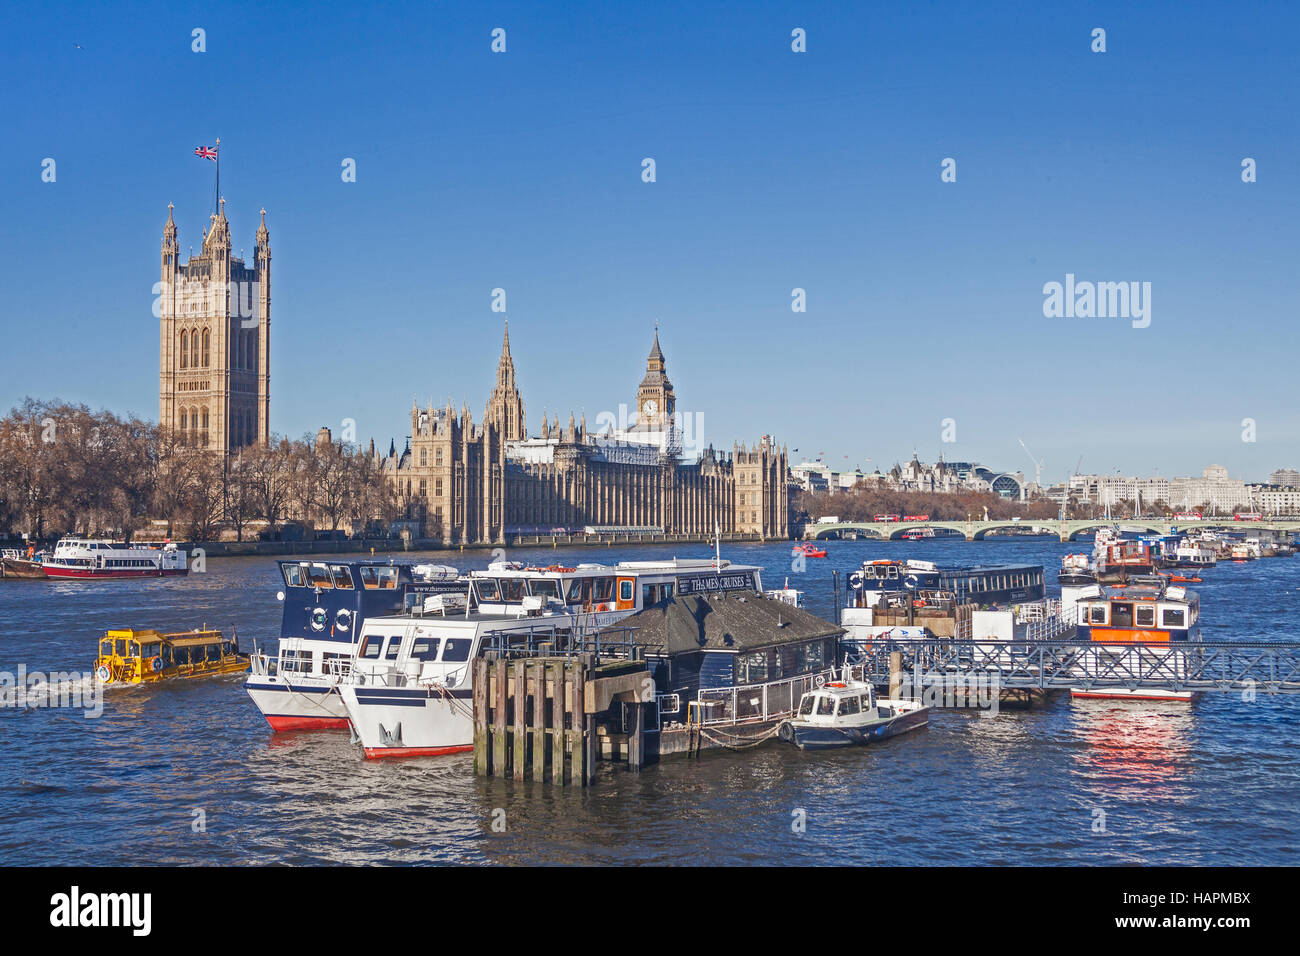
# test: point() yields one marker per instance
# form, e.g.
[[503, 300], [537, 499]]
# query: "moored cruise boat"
[[1137, 628], [1076, 569], [90, 558], [1002, 585], [407, 688], [325, 604]]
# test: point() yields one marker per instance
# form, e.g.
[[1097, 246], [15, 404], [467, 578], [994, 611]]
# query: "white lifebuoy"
[[103, 673], [343, 619], [156, 664], [855, 580], [319, 618]]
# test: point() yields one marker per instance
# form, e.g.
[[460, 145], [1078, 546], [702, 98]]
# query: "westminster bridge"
[[1066, 530]]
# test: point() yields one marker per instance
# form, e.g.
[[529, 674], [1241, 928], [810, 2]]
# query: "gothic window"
[[204, 435], [424, 488], [437, 488], [185, 350], [184, 420], [424, 457], [206, 344], [437, 457]]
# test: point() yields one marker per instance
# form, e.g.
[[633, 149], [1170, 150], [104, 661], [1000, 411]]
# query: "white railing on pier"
[[758, 702]]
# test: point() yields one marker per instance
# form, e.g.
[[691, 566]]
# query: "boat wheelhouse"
[[87, 558], [1076, 569], [1137, 628], [144, 656]]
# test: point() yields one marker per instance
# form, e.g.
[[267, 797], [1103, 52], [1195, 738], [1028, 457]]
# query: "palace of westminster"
[[466, 483]]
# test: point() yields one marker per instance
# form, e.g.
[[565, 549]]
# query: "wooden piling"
[[539, 720], [500, 753], [557, 731], [521, 711], [481, 751], [577, 741]]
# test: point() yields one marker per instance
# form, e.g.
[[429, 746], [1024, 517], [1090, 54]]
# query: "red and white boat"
[[90, 558], [808, 551]]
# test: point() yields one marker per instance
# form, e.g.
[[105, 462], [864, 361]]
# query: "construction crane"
[[1038, 465]]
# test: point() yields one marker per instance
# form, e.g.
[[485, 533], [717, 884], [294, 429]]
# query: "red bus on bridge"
[[916, 517], [885, 518], [1247, 516]]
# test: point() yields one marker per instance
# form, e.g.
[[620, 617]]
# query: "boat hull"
[[409, 721], [85, 573], [823, 737], [1123, 693], [309, 706]]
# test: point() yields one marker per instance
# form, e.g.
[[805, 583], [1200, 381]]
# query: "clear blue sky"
[[775, 170]]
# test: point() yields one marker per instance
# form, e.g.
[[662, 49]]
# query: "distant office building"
[[1214, 489], [1285, 478]]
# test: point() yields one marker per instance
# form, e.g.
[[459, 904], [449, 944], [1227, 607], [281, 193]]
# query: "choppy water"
[[1214, 782]]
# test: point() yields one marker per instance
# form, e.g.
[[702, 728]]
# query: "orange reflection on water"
[[1134, 748]]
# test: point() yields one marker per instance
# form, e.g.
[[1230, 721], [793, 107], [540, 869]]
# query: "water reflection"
[[1134, 748]]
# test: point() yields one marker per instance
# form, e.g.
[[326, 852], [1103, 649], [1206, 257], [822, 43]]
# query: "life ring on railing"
[[343, 619], [855, 580], [156, 665], [918, 603], [602, 607], [820, 680], [103, 673]]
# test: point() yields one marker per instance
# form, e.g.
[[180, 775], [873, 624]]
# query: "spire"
[[169, 232], [263, 234], [656, 358]]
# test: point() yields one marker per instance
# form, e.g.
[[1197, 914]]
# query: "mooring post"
[[539, 720], [577, 743], [521, 711], [557, 731], [500, 753], [481, 716], [895, 674]]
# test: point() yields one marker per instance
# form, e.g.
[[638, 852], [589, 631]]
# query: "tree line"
[[67, 469], [862, 503]]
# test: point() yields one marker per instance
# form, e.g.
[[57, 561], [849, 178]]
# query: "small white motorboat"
[[846, 712]]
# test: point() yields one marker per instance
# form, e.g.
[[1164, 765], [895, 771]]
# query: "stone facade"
[[214, 363], [474, 484]]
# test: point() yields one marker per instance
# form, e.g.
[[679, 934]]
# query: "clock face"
[[650, 407]]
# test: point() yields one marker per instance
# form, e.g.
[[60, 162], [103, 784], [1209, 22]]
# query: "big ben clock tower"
[[655, 402]]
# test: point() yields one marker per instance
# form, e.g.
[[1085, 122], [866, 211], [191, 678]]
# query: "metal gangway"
[[1264, 667]]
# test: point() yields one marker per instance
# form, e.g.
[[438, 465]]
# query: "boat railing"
[[262, 664], [757, 702]]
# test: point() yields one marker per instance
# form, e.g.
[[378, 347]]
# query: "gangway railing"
[[1265, 667]]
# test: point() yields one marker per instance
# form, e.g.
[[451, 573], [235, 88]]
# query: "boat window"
[[579, 591], [544, 587], [342, 576], [371, 646], [825, 706], [1097, 614], [106, 648], [318, 576], [848, 705], [1121, 614], [512, 589], [602, 589], [1174, 617], [487, 589], [456, 649], [1145, 616], [394, 645], [121, 648], [806, 705], [865, 702], [425, 649], [625, 590]]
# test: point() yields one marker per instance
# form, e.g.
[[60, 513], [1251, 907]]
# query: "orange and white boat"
[[808, 550], [1140, 627]]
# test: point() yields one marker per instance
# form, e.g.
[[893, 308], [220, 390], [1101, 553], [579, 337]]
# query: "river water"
[[189, 773]]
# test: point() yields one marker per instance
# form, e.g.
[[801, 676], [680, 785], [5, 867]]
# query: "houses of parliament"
[[475, 483], [466, 483]]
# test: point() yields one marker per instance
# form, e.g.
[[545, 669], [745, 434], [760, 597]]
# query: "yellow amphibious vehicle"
[[138, 657]]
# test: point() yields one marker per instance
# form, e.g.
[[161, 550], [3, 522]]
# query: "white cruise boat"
[[98, 558], [407, 688]]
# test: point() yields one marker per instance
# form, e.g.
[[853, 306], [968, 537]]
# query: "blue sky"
[[775, 170]]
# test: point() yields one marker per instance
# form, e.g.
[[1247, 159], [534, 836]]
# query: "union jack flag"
[[207, 152]]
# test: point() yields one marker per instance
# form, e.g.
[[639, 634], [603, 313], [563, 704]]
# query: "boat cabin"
[[837, 700], [1145, 610], [138, 656]]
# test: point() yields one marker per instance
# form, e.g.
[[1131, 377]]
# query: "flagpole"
[[216, 199]]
